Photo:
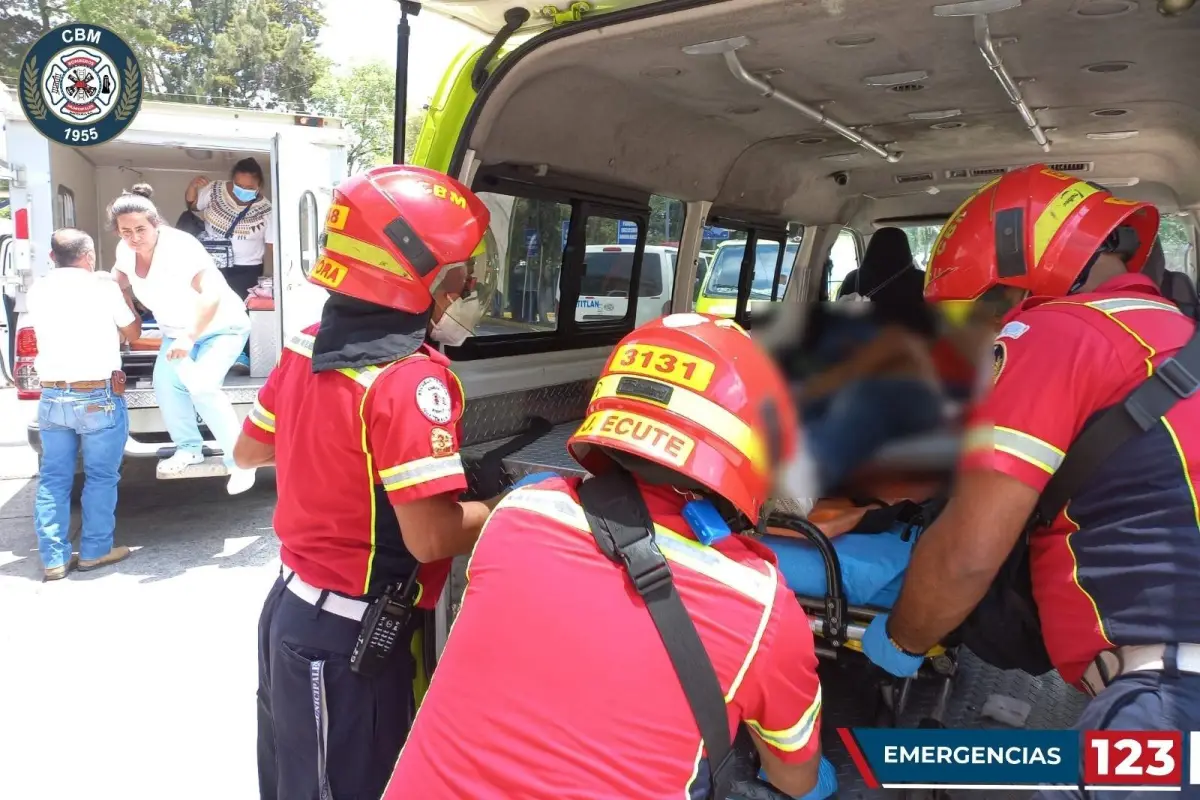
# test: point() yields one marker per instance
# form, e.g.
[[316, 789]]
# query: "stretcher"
[[844, 578]]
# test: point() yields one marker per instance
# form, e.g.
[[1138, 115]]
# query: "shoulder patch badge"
[[1013, 330], [999, 354], [441, 442], [80, 85], [433, 398]]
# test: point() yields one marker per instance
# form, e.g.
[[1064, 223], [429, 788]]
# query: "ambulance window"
[[1177, 245], [529, 236], [64, 208], [844, 256], [920, 241], [608, 267], [764, 290], [310, 227]]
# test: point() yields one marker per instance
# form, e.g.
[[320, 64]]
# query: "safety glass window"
[[920, 240], [1176, 244], [608, 270], [843, 259], [529, 236]]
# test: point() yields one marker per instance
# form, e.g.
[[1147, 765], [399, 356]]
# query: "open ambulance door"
[[305, 174]]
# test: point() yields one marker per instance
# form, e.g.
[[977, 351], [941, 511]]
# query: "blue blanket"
[[873, 565]]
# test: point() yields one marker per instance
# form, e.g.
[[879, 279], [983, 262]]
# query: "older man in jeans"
[[79, 316]]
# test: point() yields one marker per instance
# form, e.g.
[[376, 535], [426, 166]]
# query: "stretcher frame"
[[839, 628]]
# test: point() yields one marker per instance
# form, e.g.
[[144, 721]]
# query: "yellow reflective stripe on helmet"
[[365, 252], [675, 547], [796, 737], [1029, 449], [261, 417], [699, 409], [423, 470], [1116, 305], [1055, 214], [301, 343]]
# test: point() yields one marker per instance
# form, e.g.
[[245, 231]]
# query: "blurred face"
[[137, 231]]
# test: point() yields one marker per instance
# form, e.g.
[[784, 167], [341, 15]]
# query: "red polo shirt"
[[349, 444], [554, 682], [1122, 564]]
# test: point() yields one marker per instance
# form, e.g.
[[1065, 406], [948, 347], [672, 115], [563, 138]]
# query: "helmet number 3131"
[[80, 85]]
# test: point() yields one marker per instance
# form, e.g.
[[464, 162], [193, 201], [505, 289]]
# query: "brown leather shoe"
[[60, 572], [111, 557]]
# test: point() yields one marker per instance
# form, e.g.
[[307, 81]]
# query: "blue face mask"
[[245, 195]]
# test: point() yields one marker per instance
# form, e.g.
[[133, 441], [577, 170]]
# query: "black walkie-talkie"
[[382, 628]]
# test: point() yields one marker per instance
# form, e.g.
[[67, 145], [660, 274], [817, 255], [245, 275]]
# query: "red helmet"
[[1038, 230], [396, 234], [693, 394]]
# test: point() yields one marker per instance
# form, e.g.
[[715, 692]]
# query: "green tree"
[[365, 98]]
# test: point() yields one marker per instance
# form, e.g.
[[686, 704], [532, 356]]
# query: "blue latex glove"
[[878, 647], [827, 782], [536, 477]]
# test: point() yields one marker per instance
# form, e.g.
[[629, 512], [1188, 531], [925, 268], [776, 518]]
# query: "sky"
[[364, 30]]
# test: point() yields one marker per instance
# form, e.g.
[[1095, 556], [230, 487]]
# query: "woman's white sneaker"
[[240, 480], [179, 462]]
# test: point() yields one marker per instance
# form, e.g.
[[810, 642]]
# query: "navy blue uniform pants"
[[1167, 700], [324, 732]]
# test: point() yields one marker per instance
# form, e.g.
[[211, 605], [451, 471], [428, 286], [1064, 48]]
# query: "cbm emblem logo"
[[80, 85]]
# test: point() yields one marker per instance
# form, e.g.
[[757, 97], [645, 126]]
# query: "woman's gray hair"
[[134, 201]]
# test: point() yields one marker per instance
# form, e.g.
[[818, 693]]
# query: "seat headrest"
[[888, 253]]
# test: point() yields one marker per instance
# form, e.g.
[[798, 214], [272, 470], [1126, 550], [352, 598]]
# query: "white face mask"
[[457, 323]]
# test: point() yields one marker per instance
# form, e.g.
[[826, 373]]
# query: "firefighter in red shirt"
[[589, 704], [1116, 575], [360, 419]]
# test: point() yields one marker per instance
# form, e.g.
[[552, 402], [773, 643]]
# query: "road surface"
[[136, 681]]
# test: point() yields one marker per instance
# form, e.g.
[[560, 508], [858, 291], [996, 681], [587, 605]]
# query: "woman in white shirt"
[[204, 328]]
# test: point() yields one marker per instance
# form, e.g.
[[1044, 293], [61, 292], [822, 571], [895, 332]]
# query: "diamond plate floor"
[[1054, 704]]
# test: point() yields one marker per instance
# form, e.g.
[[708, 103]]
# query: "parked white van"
[[604, 287]]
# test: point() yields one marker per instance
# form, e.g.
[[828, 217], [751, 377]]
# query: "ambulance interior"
[[86, 179], [718, 103]]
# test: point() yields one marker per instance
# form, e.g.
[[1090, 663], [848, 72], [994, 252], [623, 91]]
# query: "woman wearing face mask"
[[235, 210], [204, 328]]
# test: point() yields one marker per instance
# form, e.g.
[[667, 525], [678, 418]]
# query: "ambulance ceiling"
[[1112, 83], [166, 157]]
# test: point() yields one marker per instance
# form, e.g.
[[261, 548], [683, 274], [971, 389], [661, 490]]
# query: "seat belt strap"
[[1175, 379], [623, 529]]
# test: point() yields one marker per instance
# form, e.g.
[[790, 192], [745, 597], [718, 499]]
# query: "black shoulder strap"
[[245, 210], [1173, 380], [621, 524]]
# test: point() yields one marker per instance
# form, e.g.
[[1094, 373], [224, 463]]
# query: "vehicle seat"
[[849, 284], [888, 273], [1175, 286]]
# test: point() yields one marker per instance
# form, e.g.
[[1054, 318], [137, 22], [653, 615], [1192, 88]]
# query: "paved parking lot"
[[136, 681]]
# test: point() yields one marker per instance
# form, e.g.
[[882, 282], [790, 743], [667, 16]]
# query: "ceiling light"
[[1113, 135], [198, 154], [896, 78], [812, 140], [971, 8], [1110, 112], [945, 113], [1091, 9], [947, 126], [1106, 67], [718, 47], [1115, 182], [853, 40], [907, 87], [842, 157]]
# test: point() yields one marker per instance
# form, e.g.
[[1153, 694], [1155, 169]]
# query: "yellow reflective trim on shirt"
[[365, 252], [1116, 305], [1055, 214], [423, 470], [796, 737], [1107, 308], [301, 343], [1029, 449], [261, 417], [697, 408], [675, 547]]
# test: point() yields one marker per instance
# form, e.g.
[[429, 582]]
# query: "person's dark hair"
[[248, 166], [68, 245], [134, 201]]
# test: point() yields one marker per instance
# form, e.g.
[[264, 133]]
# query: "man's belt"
[[334, 603], [116, 382], [1111, 664]]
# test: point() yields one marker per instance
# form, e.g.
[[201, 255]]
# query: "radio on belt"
[[382, 628]]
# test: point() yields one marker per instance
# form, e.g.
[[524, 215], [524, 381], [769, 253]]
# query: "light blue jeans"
[[98, 423], [193, 385]]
